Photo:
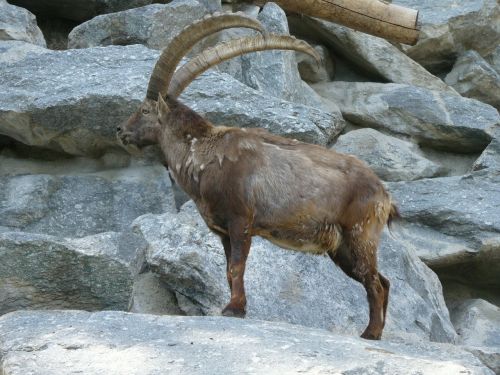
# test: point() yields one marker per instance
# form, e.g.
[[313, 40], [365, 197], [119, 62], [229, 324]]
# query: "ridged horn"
[[227, 50], [185, 41]]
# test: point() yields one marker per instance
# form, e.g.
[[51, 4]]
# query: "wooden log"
[[375, 17]]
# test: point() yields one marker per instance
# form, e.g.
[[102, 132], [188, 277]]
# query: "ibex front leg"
[[240, 240]]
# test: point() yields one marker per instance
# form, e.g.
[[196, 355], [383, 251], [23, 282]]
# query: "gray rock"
[[153, 26], [431, 118], [460, 216], [211, 5], [309, 69], [45, 272], [477, 323], [288, 286], [12, 51], [373, 55], [19, 24], [390, 158], [450, 27], [79, 10], [474, 78], [84, 204], [151, 296], [275, 72], [115, 343], [72, 100], [224, 100]]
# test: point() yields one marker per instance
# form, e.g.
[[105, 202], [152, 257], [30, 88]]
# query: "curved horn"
[[227, 50], [186, 39]]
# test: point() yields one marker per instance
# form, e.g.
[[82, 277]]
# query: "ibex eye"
[[145, 111]]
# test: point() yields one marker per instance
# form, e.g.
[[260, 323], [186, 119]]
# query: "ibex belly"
[[321, 239]]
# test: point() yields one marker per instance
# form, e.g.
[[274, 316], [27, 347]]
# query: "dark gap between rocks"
[[456, 164], [18, 158], [456, 290], [56, 31]]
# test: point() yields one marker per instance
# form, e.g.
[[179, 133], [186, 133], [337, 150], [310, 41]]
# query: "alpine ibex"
[[248, 182]]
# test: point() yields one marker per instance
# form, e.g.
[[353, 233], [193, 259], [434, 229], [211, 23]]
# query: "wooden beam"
[[375, 17]]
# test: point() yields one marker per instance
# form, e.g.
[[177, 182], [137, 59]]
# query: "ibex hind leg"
[[358, 259]]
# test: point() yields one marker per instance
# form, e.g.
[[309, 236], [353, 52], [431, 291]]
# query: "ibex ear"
[[162, 107]]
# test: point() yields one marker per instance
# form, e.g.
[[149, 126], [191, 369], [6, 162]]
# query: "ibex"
[[248, 182]]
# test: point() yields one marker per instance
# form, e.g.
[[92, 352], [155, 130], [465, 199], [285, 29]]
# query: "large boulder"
[[450, 27], [79, 10], [19, 24], [474, 78], [375, 56], [432, 118], [153, 26], [289, 286], [390, 158], [97, 272], [72, 100], [83, 204], [115, 343]]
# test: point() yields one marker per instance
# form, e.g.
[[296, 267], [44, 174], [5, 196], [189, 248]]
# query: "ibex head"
[[142, 129]]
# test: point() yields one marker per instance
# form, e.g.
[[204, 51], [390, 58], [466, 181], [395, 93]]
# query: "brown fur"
[[248, 182]]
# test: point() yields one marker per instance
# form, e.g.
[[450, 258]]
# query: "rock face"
[[19, 24], [117, 343], [97, 88], [153, 26], [374, 55], [83, 225], [390, 158], [474, 78], [450, 27], [45, 272], [85, 204], [459, 232], [79, 10], [299, 288], [432, 118]]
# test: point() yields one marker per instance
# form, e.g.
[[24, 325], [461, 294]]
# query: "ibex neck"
[[183, 143]]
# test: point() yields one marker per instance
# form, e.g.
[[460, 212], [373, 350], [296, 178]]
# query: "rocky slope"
[[85, 226], [117, 343]]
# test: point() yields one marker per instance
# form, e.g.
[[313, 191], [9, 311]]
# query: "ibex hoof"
[[233, 312], [371, 336]]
